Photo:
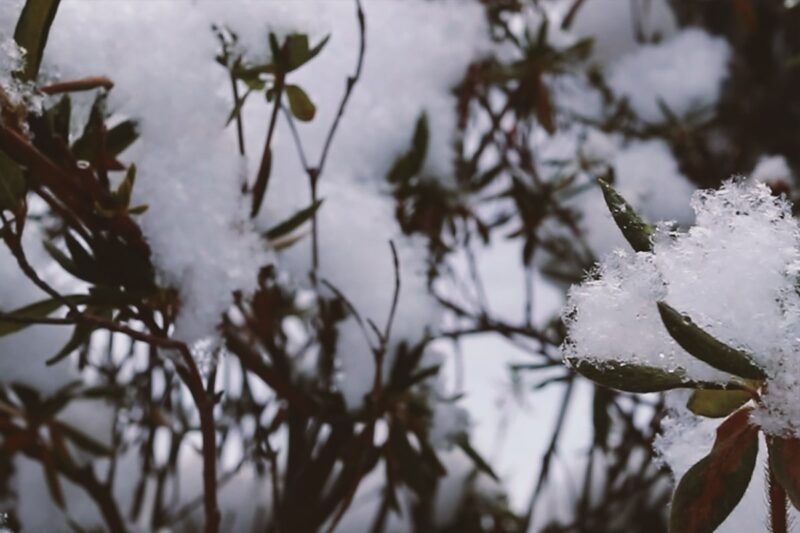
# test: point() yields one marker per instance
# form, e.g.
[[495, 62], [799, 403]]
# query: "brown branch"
[[83, 84]]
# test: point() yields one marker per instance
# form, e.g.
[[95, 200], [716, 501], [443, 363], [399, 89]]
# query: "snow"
[[646, 174], [611, 25], [734, 273], [685, 72], [189, 171], [771, 169]]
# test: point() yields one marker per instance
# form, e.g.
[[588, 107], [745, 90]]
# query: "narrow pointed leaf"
[[634, 378], [301, 105], [33, 27], [410, 163], [635, 230], [703, 346], [35, 311], [712, 488], [462, 441], [51, 478], [717, 403], [262, 180], [12, 183], [121, 137], [80, 336], [784, 458], [84, 441], [292, 223]]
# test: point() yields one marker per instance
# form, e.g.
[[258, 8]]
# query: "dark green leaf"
[[30, 397], [87, 145], [12, 183], [292, 223], [717, 403], [422, 374], [62, 259], [784, 459], [121, 136], [31, 33], [60, 116], [712, 488], [237, 107], [51, 477], [410, 163], [34, 311], [633, 377], [301, 105], [462, 441], [635, 230], [84, 441], [84, 261], [80, 336], [703, 346], [297, 50], [262, 180], [601, 418]]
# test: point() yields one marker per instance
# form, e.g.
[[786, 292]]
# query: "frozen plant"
[[714, 309]]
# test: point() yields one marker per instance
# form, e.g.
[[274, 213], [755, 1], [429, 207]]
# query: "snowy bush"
[[713, 309], [299, 266]]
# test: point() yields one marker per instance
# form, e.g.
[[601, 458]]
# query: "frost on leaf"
[[734, 273]]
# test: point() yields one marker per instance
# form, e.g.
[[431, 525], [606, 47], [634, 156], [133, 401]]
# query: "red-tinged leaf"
[[712, 488], [784, 458]]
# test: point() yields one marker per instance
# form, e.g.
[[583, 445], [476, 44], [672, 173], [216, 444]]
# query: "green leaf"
[[633, 377], [84, 260], [635, 230], [712, 488], [12, 183], [84, 441], [59, 116], [784, 459], [51, 478], [717, 403], [80, 336], [703, 346], [34, 311], [121, 136], [298, 52], [61, 258], [31, 33], [301, 105], [86, 146], [123, 193], [262, 180], [237, 107], [462, 441], [292, 223], [410, 163], [601, 418]]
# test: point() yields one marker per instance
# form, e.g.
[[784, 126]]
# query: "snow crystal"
[[734, 273], [685, 72], [12, 91]]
